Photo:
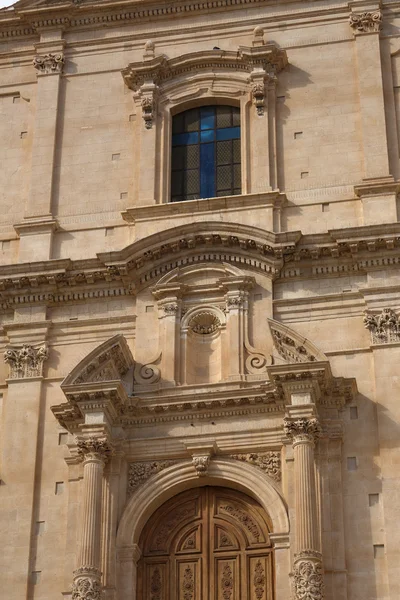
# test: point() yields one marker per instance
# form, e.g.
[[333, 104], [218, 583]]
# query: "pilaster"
[[25, 355], [303, 428], [377, 192], [36, 231]]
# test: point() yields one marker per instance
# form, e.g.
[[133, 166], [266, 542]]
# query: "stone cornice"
[[29, 18], [284, 255]]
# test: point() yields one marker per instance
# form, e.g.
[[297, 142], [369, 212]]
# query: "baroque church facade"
[[199, 290]]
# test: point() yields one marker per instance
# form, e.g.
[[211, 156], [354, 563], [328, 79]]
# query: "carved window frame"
[[163, 87]]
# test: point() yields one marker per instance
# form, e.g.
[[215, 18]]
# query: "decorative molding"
[[108, 362], [366, 22], [170, 309], [94, 448], [227, 582], [384, 327], [188, 583], [26, 361], [156, 584], [244, 518], [49, 64], [160, 70], [139, 472], [292, 347], [201, 464], [269, 462], [302, 430], [308, 578], [259, 581]]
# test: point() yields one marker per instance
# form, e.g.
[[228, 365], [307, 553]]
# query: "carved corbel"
[[202, 453], [147, 96], [258, 96]]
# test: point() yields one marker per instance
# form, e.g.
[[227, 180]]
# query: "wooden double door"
[[206, 543]]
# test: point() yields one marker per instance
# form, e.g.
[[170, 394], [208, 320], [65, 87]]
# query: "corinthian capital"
[[302, 430], [94, 448], [26, 361]]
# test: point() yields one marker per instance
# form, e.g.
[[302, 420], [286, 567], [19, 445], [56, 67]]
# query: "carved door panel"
[[206, 544]]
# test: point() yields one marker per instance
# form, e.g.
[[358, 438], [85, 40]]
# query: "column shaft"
[[91, 525], [306, 506]]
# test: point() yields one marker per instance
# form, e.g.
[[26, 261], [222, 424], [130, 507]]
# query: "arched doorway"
[[207, 543]]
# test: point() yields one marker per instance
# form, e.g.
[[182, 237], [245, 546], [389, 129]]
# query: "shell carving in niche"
[[204, 323]]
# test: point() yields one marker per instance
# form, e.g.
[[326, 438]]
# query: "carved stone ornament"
[[269, 462], [26, 361], [149, 373], [139, 472], [49, 63], [171, 308], [258, 95], [201, 464], [204, 323], [384, 327], [94, 448], [302, 430], [366, 22], [87, 584], [308, 578], [148, 107], [291, 350]]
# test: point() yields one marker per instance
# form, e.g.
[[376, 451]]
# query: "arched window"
[[206, 153]]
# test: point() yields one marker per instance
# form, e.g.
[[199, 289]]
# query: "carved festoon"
[[269, 462], [302, 430], [26, 360], [49, 63], [366, 22], [384, 327], [94, 448], [139, 472]]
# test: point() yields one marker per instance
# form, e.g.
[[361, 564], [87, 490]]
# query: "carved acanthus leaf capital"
[[26, 360], [49, 63], [384, 327], [94, 448], [302, 430], [366, 22]]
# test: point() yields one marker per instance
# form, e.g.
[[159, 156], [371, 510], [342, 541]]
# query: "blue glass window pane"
[[181, 139], [207, 117], [207, 171], [207, 136], [229, 133]]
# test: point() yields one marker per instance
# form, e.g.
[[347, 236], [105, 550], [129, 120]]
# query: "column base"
[[308, 577], [87, 584]]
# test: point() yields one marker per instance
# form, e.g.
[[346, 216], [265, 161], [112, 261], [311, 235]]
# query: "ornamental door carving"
[[206, 544]]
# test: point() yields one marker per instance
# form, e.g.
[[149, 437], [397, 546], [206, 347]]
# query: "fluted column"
[[87, 577], [307, 567]]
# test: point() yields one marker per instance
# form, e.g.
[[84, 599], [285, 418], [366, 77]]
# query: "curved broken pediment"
[[292, 347], [108, 362]]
